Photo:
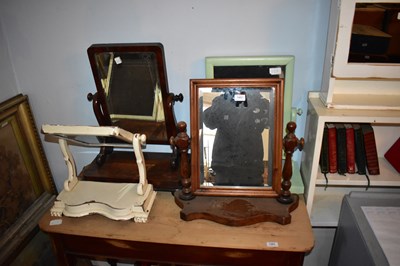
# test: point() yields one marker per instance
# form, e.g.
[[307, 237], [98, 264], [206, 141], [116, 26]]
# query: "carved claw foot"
[[140, 220], [58, 209]]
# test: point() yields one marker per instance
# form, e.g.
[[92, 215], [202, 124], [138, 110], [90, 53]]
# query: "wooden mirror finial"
[[290, 144]]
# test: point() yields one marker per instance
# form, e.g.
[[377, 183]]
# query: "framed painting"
[[236, 137], [257, 67], [26, 184]]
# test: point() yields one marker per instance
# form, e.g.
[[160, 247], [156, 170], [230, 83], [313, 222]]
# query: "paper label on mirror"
[[118, 60], [240, 97], [275, 71]]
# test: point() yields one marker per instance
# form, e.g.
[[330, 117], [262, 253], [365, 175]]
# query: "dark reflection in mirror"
[[236, 127], [132, 89], [131, 85]]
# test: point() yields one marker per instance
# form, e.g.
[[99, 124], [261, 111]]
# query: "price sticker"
[[118, 60], [272, 244], [240, 97], [275, 71], [56, 222]]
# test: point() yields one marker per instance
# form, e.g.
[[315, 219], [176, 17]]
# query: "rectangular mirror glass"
[[236, 129], [125, 74]]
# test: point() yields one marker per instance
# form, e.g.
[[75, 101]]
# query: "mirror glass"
[[375, 35], [122, 76], [132, 89], [236, 125], [232, 155]]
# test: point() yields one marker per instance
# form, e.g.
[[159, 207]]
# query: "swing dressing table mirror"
[[132, 93], [235, 175]]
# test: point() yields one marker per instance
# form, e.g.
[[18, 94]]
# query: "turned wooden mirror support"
[[236, 211], [290, 144], [182, 142]]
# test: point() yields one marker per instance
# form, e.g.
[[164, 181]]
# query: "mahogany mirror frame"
[[100, 107], [273, 190]]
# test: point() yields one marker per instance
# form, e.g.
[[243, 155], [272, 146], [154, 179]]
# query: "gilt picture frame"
[[244, 129], [27, 187], [257, 67]]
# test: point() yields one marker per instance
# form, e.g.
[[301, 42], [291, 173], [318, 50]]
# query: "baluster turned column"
[[290, 144], [182, 142]]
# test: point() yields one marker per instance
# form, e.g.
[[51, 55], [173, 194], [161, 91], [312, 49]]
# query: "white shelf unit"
[[323, 204]]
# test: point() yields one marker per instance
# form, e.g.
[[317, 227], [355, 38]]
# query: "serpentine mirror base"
[[236, 211]]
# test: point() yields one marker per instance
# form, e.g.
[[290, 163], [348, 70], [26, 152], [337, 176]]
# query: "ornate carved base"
[[236, 211], [117, 201]]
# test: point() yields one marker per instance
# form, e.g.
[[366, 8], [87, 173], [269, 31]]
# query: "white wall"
[[47, 42], [8, 87]]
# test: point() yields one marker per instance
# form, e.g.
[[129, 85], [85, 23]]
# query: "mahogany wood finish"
[[165, 238], [156, 132], [236, 205], [290, 144], [182, 142], [240, 211], [236, 211], [100, 104], [121, 167], [116, 166]]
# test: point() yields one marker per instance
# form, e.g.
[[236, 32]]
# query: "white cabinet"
[[344, 79], [323, 204]]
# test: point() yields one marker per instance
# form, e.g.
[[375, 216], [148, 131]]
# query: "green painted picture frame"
[[273, 63]]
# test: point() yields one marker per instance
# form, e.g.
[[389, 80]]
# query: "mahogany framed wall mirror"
[[132, 90], [236, 137]]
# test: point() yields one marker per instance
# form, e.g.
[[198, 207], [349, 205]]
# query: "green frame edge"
[[289, 113]]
